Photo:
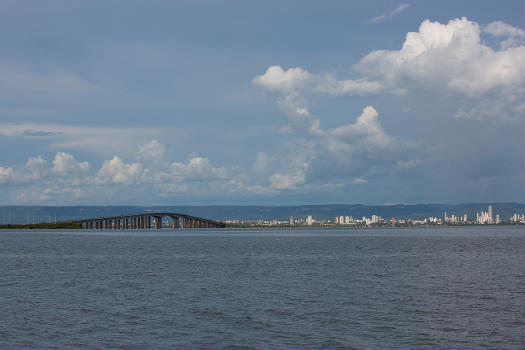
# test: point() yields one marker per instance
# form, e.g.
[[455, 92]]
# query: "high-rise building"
[[341, 220], [490, 214], [309, 220], [291, 221]]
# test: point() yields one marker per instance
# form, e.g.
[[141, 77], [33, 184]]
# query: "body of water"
[[429, 288]]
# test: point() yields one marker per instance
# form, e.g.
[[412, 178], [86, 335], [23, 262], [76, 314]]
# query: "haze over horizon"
[[270, 103]]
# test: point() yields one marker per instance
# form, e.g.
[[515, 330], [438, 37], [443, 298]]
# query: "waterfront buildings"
[[488, 217]]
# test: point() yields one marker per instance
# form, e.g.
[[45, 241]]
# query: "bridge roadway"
[[146, 221]]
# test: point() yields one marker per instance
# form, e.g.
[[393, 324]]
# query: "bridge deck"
[[147, 221]]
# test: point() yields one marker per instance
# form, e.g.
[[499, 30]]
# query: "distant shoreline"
[[76, 226]]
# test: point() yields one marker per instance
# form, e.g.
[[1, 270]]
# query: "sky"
[[261, 103]]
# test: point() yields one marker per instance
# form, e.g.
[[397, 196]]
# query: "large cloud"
[[447, 56], [449, 64], [314, 154]]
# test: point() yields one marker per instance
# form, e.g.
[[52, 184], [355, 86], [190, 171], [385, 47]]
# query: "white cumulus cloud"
[[293, 80], [366, 132], [499, 28], [65, 162], [197, 168], [449, 58], [280, 181], [6, 175], [117, 172], [446, 56], [151, 150], [275, 78]]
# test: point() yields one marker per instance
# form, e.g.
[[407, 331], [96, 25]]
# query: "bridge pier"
[[175, 221]]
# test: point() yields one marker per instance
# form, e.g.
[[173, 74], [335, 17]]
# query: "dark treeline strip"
[[58, 225]]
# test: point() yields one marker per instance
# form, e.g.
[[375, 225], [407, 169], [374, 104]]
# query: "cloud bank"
[[447, 64]]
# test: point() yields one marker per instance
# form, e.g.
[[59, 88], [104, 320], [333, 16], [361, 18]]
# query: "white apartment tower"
[[309, 220]]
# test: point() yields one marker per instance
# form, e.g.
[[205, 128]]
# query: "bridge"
[[146, 221]]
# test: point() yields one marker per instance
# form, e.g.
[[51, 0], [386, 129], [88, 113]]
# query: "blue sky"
[[274, 102]]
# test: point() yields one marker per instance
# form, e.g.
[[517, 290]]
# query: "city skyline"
[[270, 103], [482, 218]]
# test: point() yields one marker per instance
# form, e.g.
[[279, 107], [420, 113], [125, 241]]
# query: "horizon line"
[[256, 205]]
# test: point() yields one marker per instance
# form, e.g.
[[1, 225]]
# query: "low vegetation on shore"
[[43, 225]]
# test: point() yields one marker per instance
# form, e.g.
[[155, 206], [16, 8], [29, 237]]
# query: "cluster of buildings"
[[485, 218], [517, 219], [482, 218]]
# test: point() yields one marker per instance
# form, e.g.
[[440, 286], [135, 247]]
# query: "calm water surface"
[[453, 288]]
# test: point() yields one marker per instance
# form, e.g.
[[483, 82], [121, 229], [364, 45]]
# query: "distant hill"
[[37, 214]]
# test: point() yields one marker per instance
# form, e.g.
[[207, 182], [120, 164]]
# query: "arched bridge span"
[[146, 221]]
